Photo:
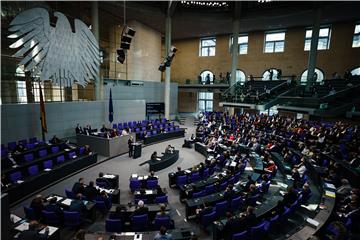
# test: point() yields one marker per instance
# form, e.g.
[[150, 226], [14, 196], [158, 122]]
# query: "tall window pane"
[[21, 91], [274, 42], [356, 38], [207, 47], [324, 39]]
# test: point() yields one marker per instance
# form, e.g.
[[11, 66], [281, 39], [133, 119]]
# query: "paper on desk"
[[329, 194], [19, 181], [22, 227], [312, 222], [282, 193], [288, 177], [233, 164], [109, 176], [310, 207], [148, 191], [58, 198], [47, 169], [51, 230], [67, 202], [330, 185], [249, 168], [187, 171], [14, 218], [283, 185], [134, 175]]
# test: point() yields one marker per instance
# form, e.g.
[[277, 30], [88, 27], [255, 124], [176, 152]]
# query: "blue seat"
[[29, 213], [81, 150], [240, 236], [30, 146], [115, 126], [33, 170], [55, 149], [252, 200], [181, 180], [220, 208], [71, 219], [231, 180], [29, 157], [258, 232], [154, 132], [72, 155], [209, 189], [236, 204], [139, 223], [23, 142], [60, 159], [70, 194], [134, 185], [161, 199], [33, 140], [100, 206], [101, 183], [162, 221], [223, 185], [113, 225], [285, 216], [206, 173], [48, 164], [198, 194], [14, 177], [42, 153], [51, 218], [195, 177], [273, 223], [151, 184], [207, 219]]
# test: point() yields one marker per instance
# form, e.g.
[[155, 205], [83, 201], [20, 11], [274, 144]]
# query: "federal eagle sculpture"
[[55, 53]]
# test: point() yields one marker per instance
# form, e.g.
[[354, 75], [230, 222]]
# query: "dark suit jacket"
[[104, 180], [77, 206], [140, 211], [78, 188], [54, 208], [90, 192], [32, 235]]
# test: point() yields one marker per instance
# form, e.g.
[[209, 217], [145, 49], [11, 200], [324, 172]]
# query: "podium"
[[136, 150]]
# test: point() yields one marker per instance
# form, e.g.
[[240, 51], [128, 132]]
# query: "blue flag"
[[111, 109]]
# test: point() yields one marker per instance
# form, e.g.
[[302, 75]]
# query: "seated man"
[[55, 140], [79, 186], [103, 180], [90, 191], [169, 149], [37, 204], [162, 235], [33, 232], [203, 211], [152, 176], [140, 210], [78, 129], [77, 205], [53, 207], [154, 157]]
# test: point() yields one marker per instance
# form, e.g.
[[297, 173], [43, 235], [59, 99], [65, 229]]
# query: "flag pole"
[[42, 114]]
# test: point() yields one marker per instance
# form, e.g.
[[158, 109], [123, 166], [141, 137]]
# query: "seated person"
[[159, 191], [79, 186], [305, 191], [8, 162], [154, 157], [53, 207], [163, 212], [179, 172], [103, 128], [103, 180], [344, 189], [271, 167], [290, 197], [140, 210], [19, 148], [206, 209], [4, 181], [249, 183], [90, 191], [118, 214], [169, 149], [78, 129], [33, 232], [37, 204], [87, 150], [229, 193], [77, 205], [163, 235], [152, 176], [105, 198], [55, 140], [245, 220]]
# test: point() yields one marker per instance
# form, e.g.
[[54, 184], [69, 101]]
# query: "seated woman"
[[104, 197], [163, 212]]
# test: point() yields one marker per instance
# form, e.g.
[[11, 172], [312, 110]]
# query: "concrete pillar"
[[95, 29], [167, 71], [313, 49], [234, 52]]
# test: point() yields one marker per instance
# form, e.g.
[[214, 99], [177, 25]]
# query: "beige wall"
[[340, 57], [143, 58]]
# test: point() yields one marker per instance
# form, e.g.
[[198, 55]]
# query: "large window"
[[21, 91], [274, 42], [240, 76], [58, 93], [242, 44], [324, 39], [356, 38], [36, 91], [207, 47], [318, 76], [205, 101], [271, 74], [207, 77]]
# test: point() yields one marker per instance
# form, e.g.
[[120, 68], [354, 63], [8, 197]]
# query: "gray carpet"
[[124, 167]]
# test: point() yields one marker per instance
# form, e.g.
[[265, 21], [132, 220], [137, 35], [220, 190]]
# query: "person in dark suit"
[[79, 186], [229, 193], [179, 172], [230, 226], [55, 140], [8, 162], [53, 207], [245, 220], [77, 205], [159, 191], [203, 211], [103, 180], [105, 198], [248, 183], [141, 209], [37, 204], [154, 156], [152, 176], [289, 197], [32, 233], [131, 147], [90, 191], [78, 129]]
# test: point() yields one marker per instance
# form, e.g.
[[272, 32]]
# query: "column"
[[95, 29], [313, 49], [167, 71], [234, 52]]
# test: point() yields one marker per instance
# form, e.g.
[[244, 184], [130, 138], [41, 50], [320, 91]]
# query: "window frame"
[[328, 38], [201, 47], [203, 80], [304, 82], [356, 35], [274, 42], [239, 44], [21, 93], [205, 101]]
